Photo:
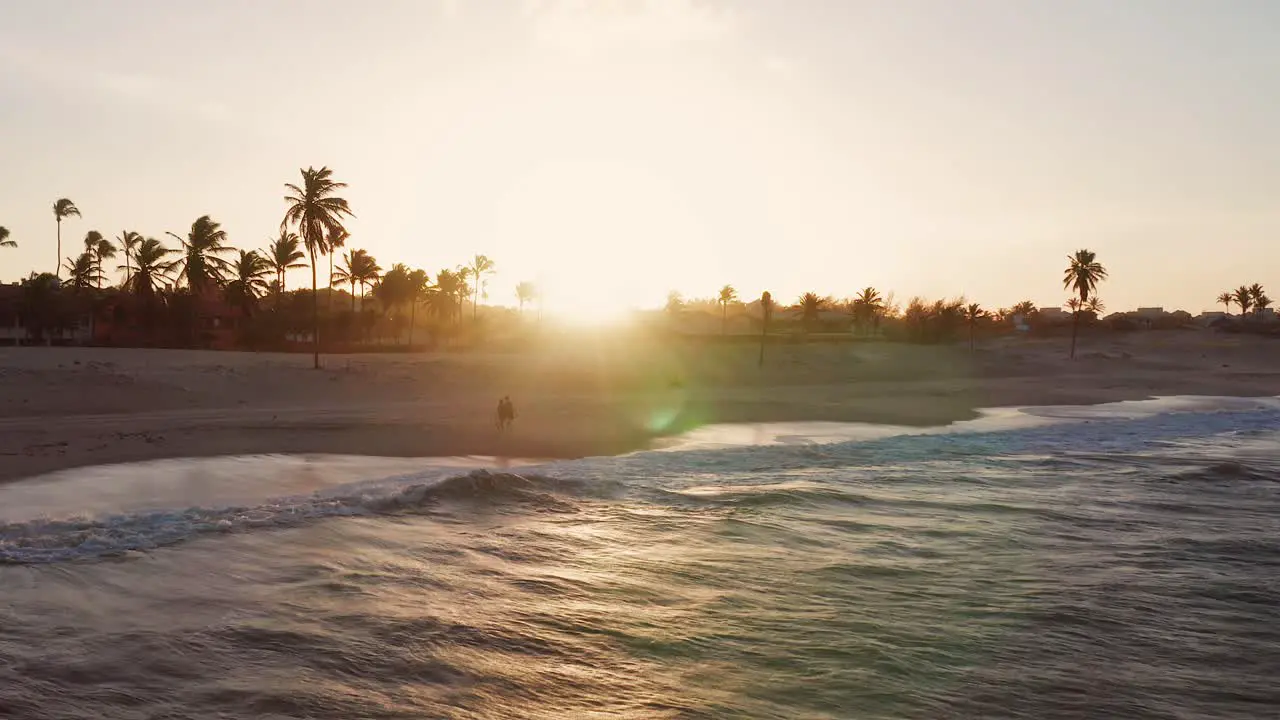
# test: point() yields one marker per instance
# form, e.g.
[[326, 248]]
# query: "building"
[[63, 319]]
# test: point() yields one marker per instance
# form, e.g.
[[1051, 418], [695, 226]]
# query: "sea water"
[[1120, 561]]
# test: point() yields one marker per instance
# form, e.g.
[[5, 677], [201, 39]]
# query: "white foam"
[[712, 437], [110, 510]]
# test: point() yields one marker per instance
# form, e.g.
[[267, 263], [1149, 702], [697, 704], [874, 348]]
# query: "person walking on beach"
[[506, 412]]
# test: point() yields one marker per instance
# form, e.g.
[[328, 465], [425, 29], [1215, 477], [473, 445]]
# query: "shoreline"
[[75, 407], [57, 444]]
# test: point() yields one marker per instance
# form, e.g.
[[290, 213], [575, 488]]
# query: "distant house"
[[1052, 313], [72, 326], [123, 320], [1150, 313]]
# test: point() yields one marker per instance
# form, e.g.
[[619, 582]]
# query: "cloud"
[[592, 27]]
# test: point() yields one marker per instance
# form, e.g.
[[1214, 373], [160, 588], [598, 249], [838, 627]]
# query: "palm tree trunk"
[[1075, 328], [724, 318], [315, 315], [764, 331], [57, 265], [353, 297], [475, 303], [330, 282], [413, 318]]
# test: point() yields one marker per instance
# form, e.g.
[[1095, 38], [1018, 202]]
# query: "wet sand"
[[576, 396]]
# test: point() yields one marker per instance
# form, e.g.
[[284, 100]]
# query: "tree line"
[[203, 264], [312, 229]]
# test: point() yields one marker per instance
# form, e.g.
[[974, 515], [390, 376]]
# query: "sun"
[[593, 304]]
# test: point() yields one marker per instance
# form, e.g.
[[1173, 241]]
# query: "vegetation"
[[150, 268], [82, 272], [249, 272], [480, 266], [727, 295], [98, 249], [866, 309], [1258, 298], [973, 315], [63, 208], [526, 292], [283, 255], [1082, 276], [166, 292], [810, 306], [201, 265], [766, 314], [5, 242], [358, 268], [126, 242], [317, 212]]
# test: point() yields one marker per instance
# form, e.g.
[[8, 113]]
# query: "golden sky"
[[615, 150]]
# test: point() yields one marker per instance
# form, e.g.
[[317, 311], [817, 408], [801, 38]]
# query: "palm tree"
[[5, 242], [283, 255], [419, 287], [149, 267], [346, 273], [1243, 298], [42, 307], [811, 306], [867, 305], [315, 211], [99, 248], [675, 304], [766, 312], [1095, 307], [526, 292], [1259, 299], [336, 240], [1082, 275], [249, 272], [1226, 299], [82, 272], [727, 295], [480, 266], [61, 209], [1026, 309], [126, 241], [366, 270], [974, 314], [451, 288], [200, 265]]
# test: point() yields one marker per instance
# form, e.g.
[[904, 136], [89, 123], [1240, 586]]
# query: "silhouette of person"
[[501, 419], [509, 410]]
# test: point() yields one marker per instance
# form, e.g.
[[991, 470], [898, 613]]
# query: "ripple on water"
[[1119, 568]]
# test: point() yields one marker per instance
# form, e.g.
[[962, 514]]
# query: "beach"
[[585, 394]]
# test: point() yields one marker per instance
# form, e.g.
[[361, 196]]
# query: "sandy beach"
[[586, 395]]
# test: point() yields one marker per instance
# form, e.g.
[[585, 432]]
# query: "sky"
[[614, 150]]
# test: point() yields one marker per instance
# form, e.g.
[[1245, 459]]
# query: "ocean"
[[1118, 561]]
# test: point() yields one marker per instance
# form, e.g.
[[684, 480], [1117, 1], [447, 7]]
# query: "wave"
[[1226, 442], [48, 541]]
